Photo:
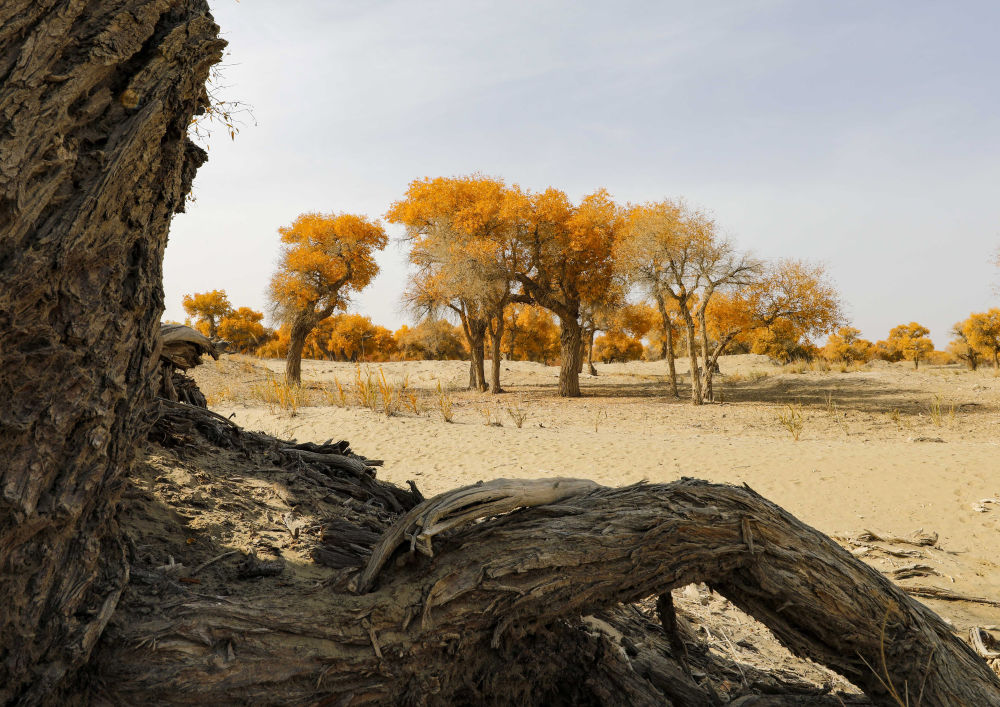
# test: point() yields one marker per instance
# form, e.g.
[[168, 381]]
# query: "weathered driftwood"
[[458, 626], [95, 103], [181, 348]]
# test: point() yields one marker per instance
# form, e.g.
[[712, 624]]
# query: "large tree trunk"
[[296, 343], [95, 102], [570, 356], [477, 366], [492, 613]]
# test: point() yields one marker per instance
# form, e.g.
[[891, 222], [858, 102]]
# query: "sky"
[[857, 134]]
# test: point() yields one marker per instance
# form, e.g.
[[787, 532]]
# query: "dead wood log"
[[95, 102], [445, 628]]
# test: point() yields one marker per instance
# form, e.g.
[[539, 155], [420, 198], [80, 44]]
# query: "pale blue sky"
[[863, 134]]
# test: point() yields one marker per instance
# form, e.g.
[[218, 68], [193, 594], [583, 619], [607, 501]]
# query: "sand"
[[884, 448]]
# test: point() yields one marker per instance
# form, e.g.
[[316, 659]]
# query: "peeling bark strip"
[[95, 101], [474, 622]]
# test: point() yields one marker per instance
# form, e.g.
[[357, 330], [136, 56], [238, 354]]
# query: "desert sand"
[[884, 448]]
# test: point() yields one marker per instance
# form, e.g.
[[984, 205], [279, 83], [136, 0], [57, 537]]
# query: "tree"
[[460, 242], [96, 100], [665, 250], [355, 338], [567, 263], [242, 328], [847, 345], [982, 332], [530, 334], [207, 308], [786, 291], [324, 258], [431, 340], [910, 342], [960, 348]]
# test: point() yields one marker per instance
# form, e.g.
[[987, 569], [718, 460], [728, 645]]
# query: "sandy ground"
[[884, 448]]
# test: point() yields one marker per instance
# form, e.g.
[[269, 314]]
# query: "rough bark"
[[493, 612], [693, 357], [95, 102], [590, 352], [477, 364], [296, 343], [496, 336], [668, 345], [570, 356], [707, 371]]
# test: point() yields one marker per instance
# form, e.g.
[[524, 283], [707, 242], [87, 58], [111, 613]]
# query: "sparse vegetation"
[[280, 394], [445, 404], [517, 414], [791, 419]]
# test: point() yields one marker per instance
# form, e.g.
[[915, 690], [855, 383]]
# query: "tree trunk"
[[707, 368], [590, 352], [95, 99], [492, 613], [693, 356], [496, 336], [570, 356], [668, 345], [296, 342], [477, 350]]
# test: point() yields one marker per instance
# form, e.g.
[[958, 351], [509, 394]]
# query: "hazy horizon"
[[852, 134]]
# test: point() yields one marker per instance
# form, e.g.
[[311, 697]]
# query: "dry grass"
[[517, 414], [791, 419], [277, 393], [445, 404], [365, 388], [392, 395], [491, 415]]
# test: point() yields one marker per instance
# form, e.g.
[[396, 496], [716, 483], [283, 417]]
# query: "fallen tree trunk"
[[494, 616]]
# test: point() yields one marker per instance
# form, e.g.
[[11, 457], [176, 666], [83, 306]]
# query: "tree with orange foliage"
[[960, 348], [782, 341], [666, 249], [243, 329], [207, 308], [530, 334], [355, 338], [461, 245], [982, 332], [847, 345], [910, 342], [788, 291], [431, 339], [624, 330], [324, 258], [567, 263]]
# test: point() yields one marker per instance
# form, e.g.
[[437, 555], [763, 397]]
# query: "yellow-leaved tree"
[[243, 329], [566, 263], [789, 293], [847, 345], [910, 342], [461, 243], [982, 332], [207, 308], [324, 258]]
